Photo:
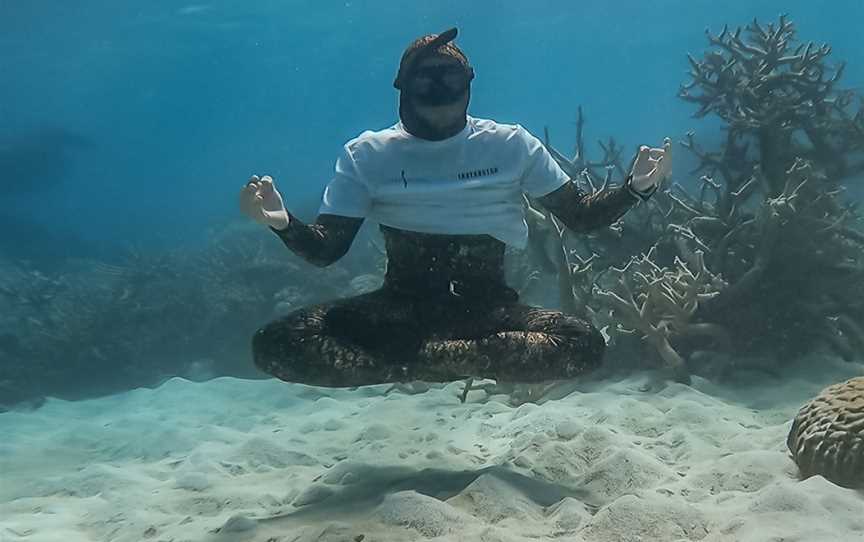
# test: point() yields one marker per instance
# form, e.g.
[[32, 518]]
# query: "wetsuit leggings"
[[383, 337]]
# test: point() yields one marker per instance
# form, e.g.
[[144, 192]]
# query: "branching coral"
[[759, 82], [577, 260], [660, 302], [650, 297], [777, 226], [766, 212], [574, 272]]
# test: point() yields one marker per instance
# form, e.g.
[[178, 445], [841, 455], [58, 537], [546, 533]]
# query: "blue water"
[[148, 116], [135, 123]]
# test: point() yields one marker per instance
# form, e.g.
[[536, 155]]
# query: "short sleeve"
[[541, 173], [347, 194]]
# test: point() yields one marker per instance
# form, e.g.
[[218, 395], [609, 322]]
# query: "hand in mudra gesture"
[[260, 201], [652, 165]]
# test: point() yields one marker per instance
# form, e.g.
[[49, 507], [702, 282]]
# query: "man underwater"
[[446, 190]]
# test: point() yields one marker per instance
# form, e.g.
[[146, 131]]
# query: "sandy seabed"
[[615, 460]]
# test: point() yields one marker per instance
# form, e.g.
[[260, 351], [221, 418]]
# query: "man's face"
[[438, 90]]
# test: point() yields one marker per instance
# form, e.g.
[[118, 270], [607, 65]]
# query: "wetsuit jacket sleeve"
[[323, 242], [344, 206], [582, 212], [546, 182]]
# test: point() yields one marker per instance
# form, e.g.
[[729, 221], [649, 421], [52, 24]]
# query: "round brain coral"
[[827, 436]]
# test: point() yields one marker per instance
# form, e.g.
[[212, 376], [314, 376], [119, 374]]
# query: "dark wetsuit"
[[443, 313]]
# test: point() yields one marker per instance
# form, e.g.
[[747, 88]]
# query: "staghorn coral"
[[660, 303], [767, 211], [827, 435], [658, 229], [794, 241], [761, 83], [575, 273], [576, 260], [770, 211]]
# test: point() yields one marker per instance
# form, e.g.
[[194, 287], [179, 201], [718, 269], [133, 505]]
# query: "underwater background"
[[130, 284], [134, 122]]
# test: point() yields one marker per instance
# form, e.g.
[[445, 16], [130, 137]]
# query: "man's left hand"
[[652, 166]]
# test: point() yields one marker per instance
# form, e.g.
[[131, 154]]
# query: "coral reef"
[[87, 327], [827, 436], [770, 245], [660, 302], [757, 252], [779, 95], [779, 228]]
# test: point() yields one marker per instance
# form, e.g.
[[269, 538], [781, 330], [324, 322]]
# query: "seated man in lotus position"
[[446, 189]]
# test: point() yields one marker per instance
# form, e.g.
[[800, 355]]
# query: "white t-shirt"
[[470, 183]]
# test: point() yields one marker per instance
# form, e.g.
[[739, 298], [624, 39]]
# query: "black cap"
[[425, 46]]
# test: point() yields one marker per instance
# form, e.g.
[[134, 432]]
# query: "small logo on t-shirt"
[[462, 176], [473, 174]]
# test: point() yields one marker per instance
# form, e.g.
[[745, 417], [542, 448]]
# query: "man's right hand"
[[260, 201]]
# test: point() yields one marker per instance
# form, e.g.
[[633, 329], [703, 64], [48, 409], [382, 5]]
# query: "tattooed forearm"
[[582, 212], [323, 242]]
